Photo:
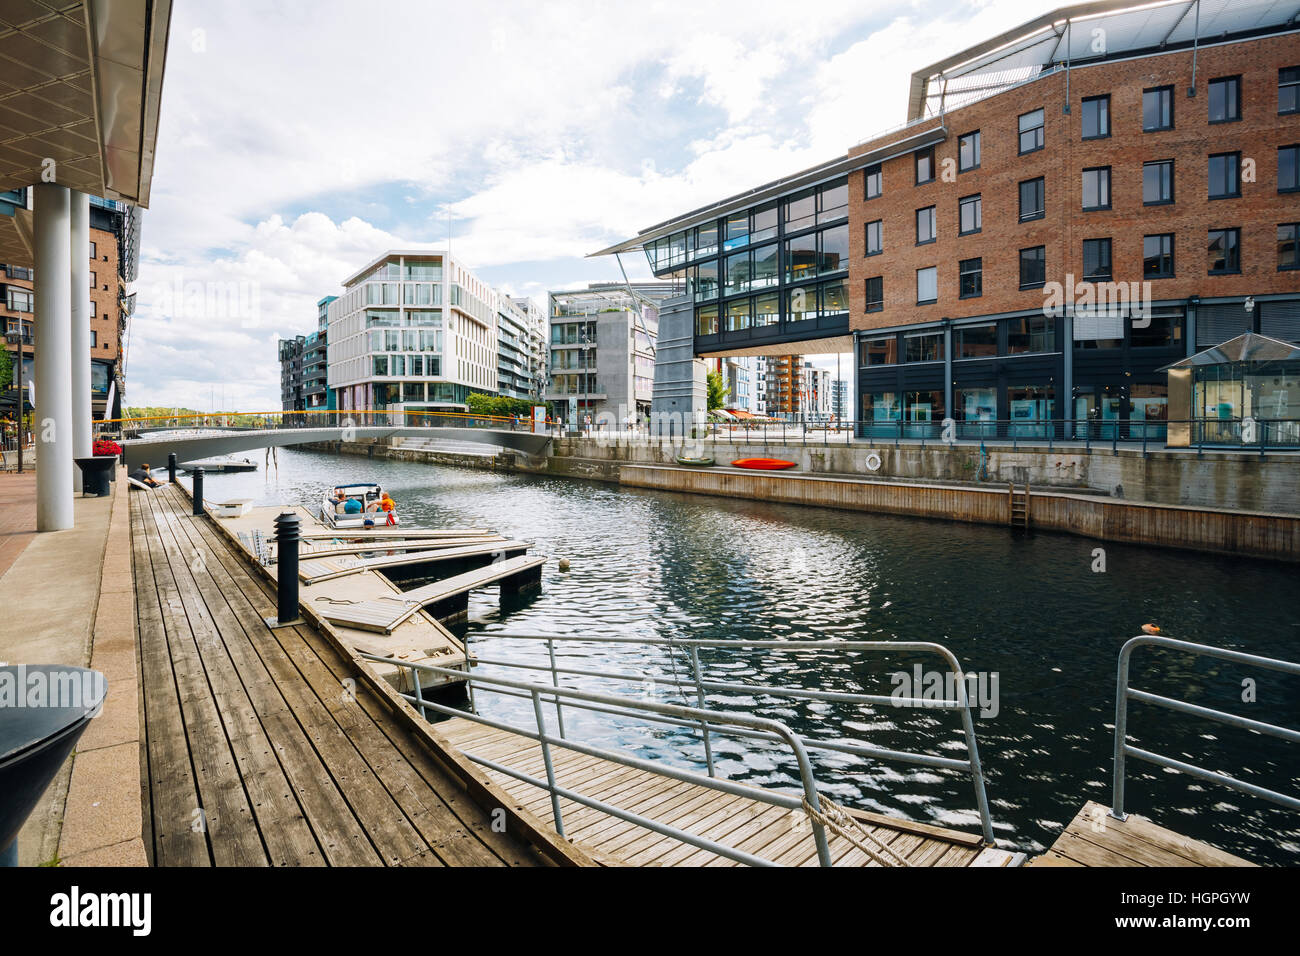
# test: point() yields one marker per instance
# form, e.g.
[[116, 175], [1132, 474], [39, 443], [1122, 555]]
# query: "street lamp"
[[16, 338]]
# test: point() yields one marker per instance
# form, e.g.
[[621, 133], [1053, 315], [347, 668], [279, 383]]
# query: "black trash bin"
[[96, 473]]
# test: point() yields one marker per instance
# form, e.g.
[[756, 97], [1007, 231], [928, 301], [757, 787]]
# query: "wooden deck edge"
[[482, 790]]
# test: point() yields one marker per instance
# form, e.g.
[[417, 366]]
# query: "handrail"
[[1123, 694], [546, 740]]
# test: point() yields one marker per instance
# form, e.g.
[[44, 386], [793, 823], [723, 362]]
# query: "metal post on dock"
[[171, 467], [699, 698], [197, 493], [286, 571]]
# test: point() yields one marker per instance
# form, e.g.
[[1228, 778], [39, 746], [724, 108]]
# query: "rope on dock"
[[838, 820]]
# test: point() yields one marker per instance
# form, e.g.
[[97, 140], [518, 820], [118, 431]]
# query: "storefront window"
[[977, 411], [1148, 411], [923, 413], [881, 410], [1031, 408]]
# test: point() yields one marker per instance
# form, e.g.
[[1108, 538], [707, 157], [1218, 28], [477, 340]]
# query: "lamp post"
[[16, 338]]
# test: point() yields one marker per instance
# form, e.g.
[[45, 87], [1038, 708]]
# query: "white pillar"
[[52, 418], [80, 355]]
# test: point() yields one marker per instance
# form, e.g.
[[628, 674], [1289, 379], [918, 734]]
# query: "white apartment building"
[[412, 331]]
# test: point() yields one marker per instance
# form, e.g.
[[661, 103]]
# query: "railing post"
[[699, 697], [171, 467], [544, 739], [286, 565], [1121, 731], [555, 680], [196, 478], [419, 691]]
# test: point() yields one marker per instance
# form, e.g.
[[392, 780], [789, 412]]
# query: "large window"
[[875, 237], [1032, 408], [1161, 328], [1031, 131], [1158, 182], [706, 239], [1096, 117], [1030, 334], [925, 226], [1096, 188], [1224, 251], [1033, 199], [1096, 260], [927, 285], [1225, 99], [834, 297], [738, 273], [1157, 109], [968, 151], [882, 350], [801, 211], [1288, 169], [923, 347], [763, 271], [974, 341], [1033, 267], [762, 224], [875, 293], [1288, 90], [767, 309], [801, 303], [801, 258], [1225, 175], [925, 166], [834, 249], [874, 182], [970, 210], [704, 280], [737, 231], [971, 277], [1288, 246], [1158, 256], [706, 320], [737, 315], [833, 202]]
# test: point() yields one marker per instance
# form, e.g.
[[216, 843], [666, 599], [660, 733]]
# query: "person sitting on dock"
[[143, 476]]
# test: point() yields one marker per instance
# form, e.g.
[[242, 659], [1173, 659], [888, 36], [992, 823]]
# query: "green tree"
[[6, 369], [717, 389]]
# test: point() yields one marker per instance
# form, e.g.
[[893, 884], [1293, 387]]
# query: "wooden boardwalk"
[[773, 833], [1095, 838], [262, 747]]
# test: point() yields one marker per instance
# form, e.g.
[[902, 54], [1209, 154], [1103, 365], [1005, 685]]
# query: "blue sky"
[[300, 140]]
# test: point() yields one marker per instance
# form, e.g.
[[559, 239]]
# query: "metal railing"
[[1124, 693], [706, 719]]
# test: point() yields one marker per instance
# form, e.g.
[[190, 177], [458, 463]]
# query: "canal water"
[[1035, 613]]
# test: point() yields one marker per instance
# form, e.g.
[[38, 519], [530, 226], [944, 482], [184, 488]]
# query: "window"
[[1157, 109], [970, 215], [974, 341], [833, 202], [19, 300], [835, 297], [925, 231], [1225, 175], [93, 313], [93, 254], [381, 364], [875, 294], [704, 280], [1033, 203], [1161, 328], [706, 320], [882, 350], [801, 258], [1288, 246], [94, 281], [1096, 260], [1224, 251], [737, 315], [925, 166], [1288, 90], [94, 340], [927, 285], [1225, 99], [968, 152], [762, 223], [738, 273], [801, 211], [875, 238], [923, 347], [1096, 188], [971, 278], [737, 231], [834, 249], [801, 303], [763, 270], [1033, 267], [1096, 117], [1158, 182], [706, 239], [1034, 333], [767, 309], [1158, 256], [1031, 131], [1288, 169], [874, 181]]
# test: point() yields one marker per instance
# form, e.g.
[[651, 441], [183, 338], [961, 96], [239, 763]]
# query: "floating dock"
[[218, 465], [1095, 838]]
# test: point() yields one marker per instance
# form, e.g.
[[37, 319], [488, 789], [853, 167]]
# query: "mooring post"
[[286, 561], [197, 495], [171, 467]]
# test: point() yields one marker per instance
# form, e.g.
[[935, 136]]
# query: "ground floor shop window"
[[923, 414], [976, 411], [1148, 413], [881, 411], [1031, 409]]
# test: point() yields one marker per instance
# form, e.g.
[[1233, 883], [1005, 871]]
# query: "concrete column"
[[1067, 371], [80, 354], [53, 415]]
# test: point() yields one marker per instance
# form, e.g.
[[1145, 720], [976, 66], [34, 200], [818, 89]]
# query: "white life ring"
[[873, 461]]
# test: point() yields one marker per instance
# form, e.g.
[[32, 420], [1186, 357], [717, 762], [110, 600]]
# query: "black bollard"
[[286, 561], [197, 494], [171, 467]]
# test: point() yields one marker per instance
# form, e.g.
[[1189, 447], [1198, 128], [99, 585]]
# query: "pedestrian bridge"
[[191, 444]]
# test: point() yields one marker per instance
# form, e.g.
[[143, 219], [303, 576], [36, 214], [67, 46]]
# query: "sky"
[[300, 140]]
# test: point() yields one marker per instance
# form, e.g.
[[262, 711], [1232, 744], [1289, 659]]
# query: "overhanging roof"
[[1045, 43], [1249, 347]]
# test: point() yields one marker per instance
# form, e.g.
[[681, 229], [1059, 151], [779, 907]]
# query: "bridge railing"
[[342, 419]]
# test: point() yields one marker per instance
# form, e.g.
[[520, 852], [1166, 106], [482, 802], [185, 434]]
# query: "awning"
[[1250, 347]]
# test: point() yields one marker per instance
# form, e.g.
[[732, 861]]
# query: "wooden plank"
[[315, 571], [307, 550], [471, 580]]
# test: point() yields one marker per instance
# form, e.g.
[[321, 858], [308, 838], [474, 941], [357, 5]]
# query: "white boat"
[[334, 513]]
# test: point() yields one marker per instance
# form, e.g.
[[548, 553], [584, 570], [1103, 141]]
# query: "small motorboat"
[[763, 464], [368, 512], [690, 462]]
